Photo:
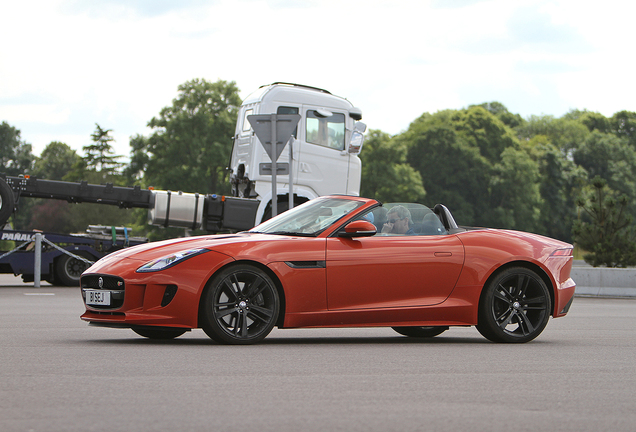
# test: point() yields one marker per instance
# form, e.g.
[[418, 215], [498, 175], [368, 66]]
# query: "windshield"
[[310, 218]]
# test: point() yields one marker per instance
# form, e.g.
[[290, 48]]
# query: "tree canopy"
[[190, 147], [15, 155]]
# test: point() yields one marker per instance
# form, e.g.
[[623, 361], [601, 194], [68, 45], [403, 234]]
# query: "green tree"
[[623, 125], [611, 158], [515, 191], [192, 140], [595, 121], [453, 172], [565, 133], [100, 155], [472, 162], [56, 160], [605, 229], [15, 155], [133, 172], [560, 181], [484, 131], [385, 174], [501, 112]]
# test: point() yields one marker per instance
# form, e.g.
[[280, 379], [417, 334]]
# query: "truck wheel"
[[68, 269], [7, 202]]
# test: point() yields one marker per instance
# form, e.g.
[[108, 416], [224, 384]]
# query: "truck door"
[[323, 161]]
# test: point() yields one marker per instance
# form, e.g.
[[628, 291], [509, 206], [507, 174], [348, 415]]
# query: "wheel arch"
[[528, 265], [279, 287]]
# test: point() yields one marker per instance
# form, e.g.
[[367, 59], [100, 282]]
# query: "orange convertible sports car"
[[336, 261]]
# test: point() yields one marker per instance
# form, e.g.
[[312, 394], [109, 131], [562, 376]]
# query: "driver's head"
[[400, 217]]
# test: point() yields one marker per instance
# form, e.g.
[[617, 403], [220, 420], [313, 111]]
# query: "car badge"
[[100, 282]]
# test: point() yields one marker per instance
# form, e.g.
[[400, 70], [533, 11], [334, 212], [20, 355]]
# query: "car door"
[[391, 271]]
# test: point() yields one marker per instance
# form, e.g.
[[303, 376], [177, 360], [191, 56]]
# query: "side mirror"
[[359, 228], [357, 138]]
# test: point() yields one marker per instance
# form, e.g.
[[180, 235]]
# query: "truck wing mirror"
[[357, 138], [359, 228], [360, 127]]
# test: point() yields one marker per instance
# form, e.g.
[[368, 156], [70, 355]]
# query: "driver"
[[399, 221]]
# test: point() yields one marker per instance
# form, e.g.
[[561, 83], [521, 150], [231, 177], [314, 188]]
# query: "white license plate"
[[95, 297]]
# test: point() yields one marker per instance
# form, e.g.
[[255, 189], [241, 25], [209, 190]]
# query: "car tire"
[[68, 269], [7, 202], [514, 306], [159, 333], [420, 332], [240, 305]]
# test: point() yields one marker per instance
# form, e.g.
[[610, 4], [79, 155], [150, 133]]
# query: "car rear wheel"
[[515, 306], [420, 332], [159, 333], [240, 305]]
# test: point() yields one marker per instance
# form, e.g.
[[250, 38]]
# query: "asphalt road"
[[59, 374]]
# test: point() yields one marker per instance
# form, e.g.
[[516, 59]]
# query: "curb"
[[604, 282]]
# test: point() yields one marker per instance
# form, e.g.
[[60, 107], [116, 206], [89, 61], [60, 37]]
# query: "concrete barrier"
[[604, 282]]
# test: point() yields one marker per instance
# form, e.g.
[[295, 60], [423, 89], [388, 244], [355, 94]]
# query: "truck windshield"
[[308, 219]]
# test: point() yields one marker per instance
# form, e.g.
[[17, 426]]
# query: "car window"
[[417, 219]]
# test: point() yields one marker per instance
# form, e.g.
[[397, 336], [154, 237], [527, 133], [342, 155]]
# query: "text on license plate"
[[95, 297]]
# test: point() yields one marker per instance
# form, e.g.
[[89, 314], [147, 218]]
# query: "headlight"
[[169, 260]]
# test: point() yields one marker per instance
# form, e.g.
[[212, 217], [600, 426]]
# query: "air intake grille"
[[107, 282]]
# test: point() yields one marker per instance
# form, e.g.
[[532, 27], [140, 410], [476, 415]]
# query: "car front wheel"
[[514, 307], [240, 305]]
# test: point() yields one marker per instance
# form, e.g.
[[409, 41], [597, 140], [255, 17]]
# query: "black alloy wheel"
[[514, 307], [420, 332], [159, 333], [240, 305]]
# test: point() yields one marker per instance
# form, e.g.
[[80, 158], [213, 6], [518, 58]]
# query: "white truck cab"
[[324, 150]]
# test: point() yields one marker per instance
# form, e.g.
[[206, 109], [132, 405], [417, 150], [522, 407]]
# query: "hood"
[[220, 243]]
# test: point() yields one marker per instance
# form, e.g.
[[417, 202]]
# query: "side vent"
[[168, 295]]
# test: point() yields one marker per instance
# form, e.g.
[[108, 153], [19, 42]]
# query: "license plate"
[[95, 297]]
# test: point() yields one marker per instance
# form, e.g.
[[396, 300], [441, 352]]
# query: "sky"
[[66, 65]]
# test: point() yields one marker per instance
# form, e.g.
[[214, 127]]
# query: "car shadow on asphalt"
[[346, 340]]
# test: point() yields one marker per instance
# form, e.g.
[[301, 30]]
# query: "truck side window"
[[246, 124], [289, 110], [326, 131]]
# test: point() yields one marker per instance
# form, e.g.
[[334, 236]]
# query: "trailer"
[[64, 256]]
